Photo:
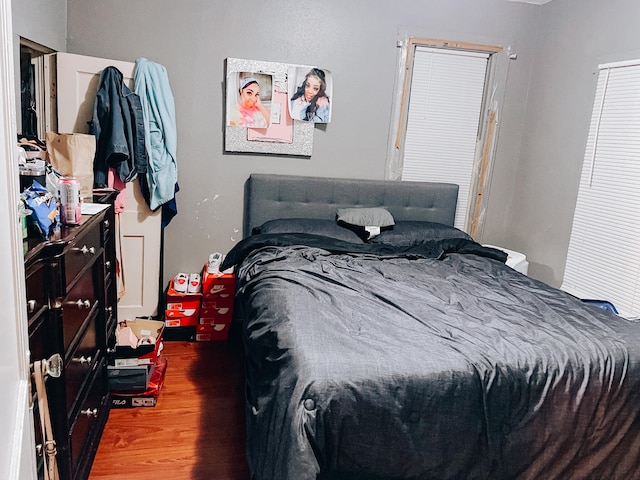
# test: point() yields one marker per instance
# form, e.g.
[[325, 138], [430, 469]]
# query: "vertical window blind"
[[603, 260], [445, 106]]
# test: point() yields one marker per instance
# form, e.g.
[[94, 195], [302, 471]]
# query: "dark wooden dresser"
[[72, 307]]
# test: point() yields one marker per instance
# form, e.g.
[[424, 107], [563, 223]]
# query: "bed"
[[417, 353]]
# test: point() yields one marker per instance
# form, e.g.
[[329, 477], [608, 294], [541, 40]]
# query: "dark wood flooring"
[[196, 430]]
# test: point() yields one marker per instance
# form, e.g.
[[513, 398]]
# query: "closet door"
[[77, 81]]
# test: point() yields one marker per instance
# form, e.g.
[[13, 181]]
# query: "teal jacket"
[[151, 83]]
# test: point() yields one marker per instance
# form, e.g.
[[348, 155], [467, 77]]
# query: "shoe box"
[[216, 311], [129, 379], [137, 350], [147, 397], [139, 342], [182, 309], [212, 332]]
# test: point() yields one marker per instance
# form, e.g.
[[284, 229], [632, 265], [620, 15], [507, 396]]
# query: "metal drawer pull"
[[111, 350], [89, 412], [107, 264], [81, 304], [82, 360], [106, 223], [85, 250], [31, 306]]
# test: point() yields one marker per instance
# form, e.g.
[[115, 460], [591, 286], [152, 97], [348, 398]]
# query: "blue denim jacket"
[[118, 126]]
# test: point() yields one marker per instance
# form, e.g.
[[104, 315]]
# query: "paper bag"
[[72, 155]]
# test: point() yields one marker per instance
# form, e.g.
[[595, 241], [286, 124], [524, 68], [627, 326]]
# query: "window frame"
[[487, 132]]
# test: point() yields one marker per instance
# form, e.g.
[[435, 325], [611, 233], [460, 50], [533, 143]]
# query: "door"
[[76, 83], [17, 455]]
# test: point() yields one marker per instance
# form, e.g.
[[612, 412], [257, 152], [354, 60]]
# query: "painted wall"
[[41, 21], [575, 36], [356, 40]]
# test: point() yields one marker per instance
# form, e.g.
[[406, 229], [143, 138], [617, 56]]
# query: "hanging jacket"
[[152, 85], [118, 126]]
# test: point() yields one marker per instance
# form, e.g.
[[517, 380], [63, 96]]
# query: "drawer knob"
[[106, 223], [81, 304], [90, 412], [111, 350], [107, 264], [31, 306], [82, 360], [85, 250]]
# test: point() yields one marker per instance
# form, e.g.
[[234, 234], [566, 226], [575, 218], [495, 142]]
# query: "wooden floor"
[[197, 429]]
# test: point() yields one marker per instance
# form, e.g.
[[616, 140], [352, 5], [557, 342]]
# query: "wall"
[[356, 40], [576, 36], [41, 21]]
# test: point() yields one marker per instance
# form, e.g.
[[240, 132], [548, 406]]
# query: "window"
[[443, 125], [603, 260]]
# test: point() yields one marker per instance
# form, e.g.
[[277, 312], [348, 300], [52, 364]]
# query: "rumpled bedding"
[[434, 361]]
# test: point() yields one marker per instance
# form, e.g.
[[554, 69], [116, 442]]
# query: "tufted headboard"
[[268, 197]]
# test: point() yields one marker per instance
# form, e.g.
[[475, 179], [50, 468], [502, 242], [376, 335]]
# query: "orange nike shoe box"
[[218, 287], [212, 332], [183, 309]]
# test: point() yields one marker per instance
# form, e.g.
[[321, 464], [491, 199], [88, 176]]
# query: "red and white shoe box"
[[212, 333], [216, 312], [183, 309]]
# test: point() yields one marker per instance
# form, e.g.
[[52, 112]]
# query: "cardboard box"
[[216, 312], [178, 318], [212, 333], [147, 398], [142, 354], [186, 334], [128, 379], [218, 287], [182, 309]]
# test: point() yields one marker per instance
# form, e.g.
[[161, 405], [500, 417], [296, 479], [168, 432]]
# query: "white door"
[[17, 455], [140, 228]]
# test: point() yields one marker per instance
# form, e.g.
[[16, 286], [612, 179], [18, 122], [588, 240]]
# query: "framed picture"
[[260, 121]]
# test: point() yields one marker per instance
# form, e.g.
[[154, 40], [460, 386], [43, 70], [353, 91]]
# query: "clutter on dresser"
[[199, 306]]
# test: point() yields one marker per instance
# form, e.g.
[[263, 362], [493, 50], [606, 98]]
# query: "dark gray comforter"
[[434, 363]]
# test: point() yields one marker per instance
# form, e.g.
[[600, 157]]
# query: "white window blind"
[[603, 260], [445, 105]]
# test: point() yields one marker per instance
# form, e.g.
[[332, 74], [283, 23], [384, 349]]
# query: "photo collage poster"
[[272, 107]]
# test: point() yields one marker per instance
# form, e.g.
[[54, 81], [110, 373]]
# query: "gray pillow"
[[366, 216], [366, 222], [407, 233], [314, 226]]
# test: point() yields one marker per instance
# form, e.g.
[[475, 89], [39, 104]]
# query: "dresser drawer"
[[81, 252], [87, 417], [77, 306], [37, 288], [41, 345], [81, 365]]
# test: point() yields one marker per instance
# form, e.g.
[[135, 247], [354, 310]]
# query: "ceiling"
[[536, 2]]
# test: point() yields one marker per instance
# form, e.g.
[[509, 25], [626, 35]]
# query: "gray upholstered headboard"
[[288, 196]]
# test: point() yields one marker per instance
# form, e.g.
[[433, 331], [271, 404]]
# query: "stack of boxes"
[[136, 370], [203, 316], [218, 293]]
